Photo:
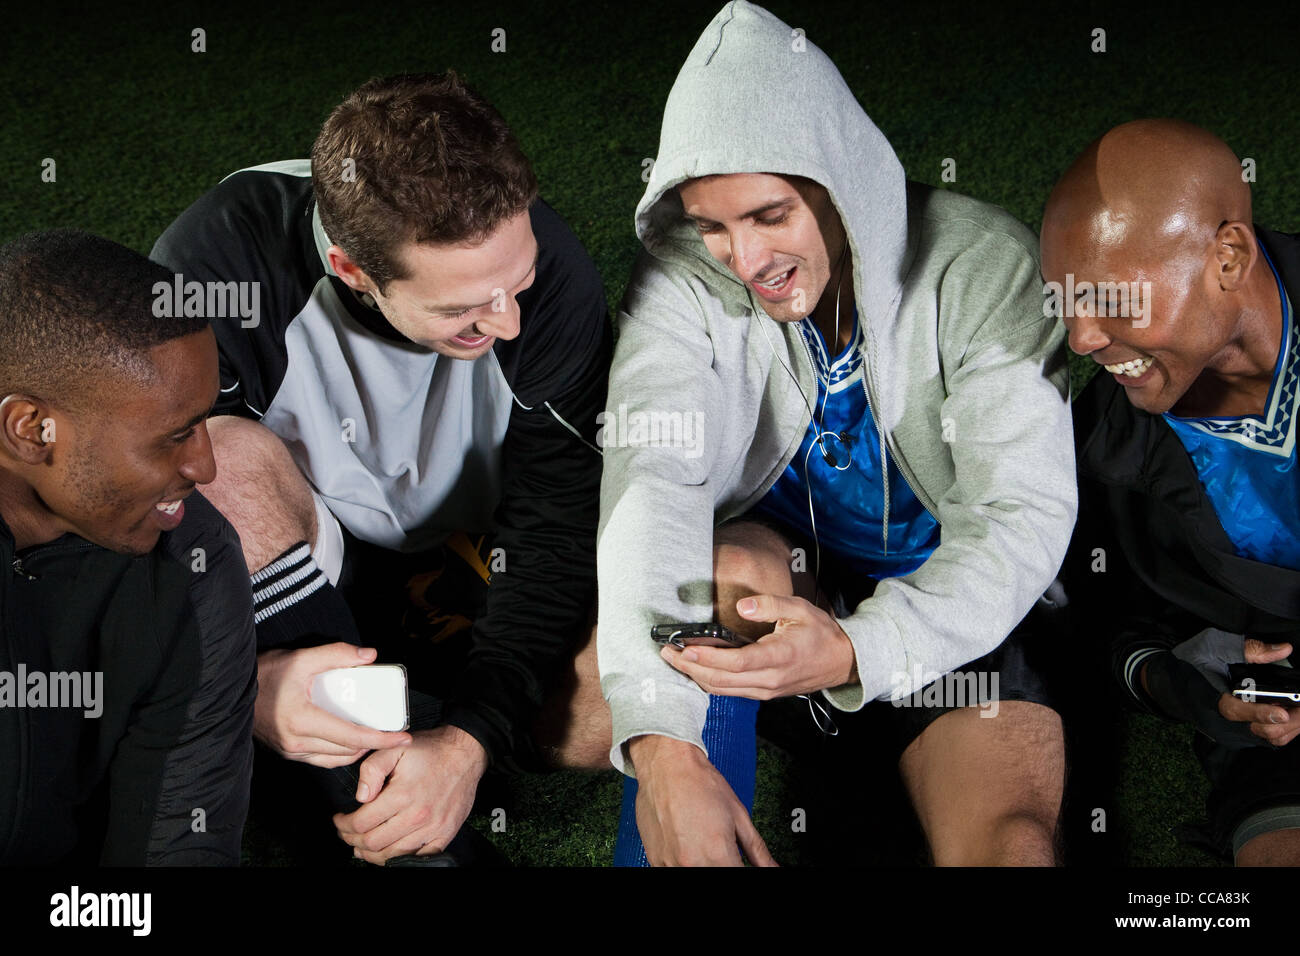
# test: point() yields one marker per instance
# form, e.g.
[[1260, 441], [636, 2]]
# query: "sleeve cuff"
[[480, 728], [878, 654], [668, 710]]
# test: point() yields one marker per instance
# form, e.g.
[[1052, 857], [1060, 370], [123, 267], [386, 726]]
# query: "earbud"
[[832, 456]]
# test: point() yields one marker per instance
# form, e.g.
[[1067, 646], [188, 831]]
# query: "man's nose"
[[502, 323], [1085, 333], [749, 254], [199, 465]]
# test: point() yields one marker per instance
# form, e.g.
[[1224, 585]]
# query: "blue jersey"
[[848, 501], [1247, 465]]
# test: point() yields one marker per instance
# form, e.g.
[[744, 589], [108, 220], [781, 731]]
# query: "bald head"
[[1157, 213], [1148, 188]]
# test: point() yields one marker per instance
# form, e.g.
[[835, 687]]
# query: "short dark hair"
[[418, 157], [74, 306]]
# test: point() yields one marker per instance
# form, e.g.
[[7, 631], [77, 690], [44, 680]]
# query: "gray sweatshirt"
[[965, 376]]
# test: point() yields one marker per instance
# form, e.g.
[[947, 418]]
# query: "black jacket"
[[431, 454], [161, 775], [1170, 570]]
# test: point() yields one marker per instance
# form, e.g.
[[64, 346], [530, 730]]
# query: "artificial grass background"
[[139, 126]]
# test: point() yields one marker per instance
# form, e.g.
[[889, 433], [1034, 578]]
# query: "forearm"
[[1006, 520], [960, 605], [655, 568]]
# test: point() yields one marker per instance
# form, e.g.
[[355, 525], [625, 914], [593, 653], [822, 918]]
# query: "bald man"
[[1187, 551]]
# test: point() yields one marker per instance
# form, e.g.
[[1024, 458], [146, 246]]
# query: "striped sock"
[[294, 604], [731, 740]]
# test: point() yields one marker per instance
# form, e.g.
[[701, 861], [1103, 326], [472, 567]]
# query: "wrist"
[[268, 666], [651, 751], [461, 742]]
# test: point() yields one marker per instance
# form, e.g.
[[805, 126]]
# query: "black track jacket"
[[161, 775]]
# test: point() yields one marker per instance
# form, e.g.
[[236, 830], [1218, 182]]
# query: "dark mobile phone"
[[707, 634], [1265, 683]]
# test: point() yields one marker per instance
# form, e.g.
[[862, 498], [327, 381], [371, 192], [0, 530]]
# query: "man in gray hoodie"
[[860, 367]]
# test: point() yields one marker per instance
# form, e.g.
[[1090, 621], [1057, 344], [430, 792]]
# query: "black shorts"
[[1253, 790]]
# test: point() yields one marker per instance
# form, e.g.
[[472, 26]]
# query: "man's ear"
[[1235, 251], [348, 270], [27, 429]]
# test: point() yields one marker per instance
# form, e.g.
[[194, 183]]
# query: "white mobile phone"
[[373, 695]]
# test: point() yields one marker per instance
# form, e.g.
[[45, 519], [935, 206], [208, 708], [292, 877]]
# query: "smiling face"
[[1164, 202], [1185, 325], [457, 299], [109, 470], [780, 236]]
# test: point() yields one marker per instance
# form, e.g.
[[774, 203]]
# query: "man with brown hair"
[[352, 445]]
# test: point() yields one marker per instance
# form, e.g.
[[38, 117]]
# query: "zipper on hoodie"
[[903, 469], [884, 463]]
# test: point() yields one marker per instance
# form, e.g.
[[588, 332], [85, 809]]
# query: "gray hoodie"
[[965, 376]]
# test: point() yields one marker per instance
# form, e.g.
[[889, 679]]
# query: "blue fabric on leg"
[[628, 848], [732, 743]]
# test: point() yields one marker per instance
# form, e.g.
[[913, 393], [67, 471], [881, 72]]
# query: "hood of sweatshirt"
[[756, 96]]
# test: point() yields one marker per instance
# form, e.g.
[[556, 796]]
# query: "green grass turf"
[[139, 126]]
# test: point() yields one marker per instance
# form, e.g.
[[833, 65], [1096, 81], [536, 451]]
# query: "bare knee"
[[574, 730], [1024, 836], [988, 791], [749, 559], [1274, 848], [259, 489]]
